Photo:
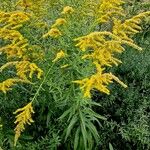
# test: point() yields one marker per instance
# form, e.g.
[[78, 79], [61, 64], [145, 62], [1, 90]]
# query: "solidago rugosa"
[[25, 113], [17, 51], [102, 46], [99, 47]]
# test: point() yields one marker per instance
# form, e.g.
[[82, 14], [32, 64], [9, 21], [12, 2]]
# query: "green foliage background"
[[127, 110]]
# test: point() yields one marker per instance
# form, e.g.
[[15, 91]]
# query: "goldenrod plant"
[[57, 59]]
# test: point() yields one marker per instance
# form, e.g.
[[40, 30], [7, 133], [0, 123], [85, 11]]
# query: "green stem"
[[93, 25], [38, 90]]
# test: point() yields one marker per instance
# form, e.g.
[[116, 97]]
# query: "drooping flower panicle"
[[24, 69], [108, 9], [98, 81], [23, 118], [7, 84], [129, 27]]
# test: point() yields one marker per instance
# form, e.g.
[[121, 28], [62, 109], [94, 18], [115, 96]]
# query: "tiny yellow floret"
[[53, 32], [59, 22], [59, 55]]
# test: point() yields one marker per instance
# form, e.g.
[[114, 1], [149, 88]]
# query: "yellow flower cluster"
[[5, 85], [129, 27], [108, 9], [18, 43], [23, 68], [102, 47], [104, 10], [98, 81], [17, 49], [24, 117], [13, 20], [103, 50], [67, 10], [37, 8], [54, 31], [58, 22]]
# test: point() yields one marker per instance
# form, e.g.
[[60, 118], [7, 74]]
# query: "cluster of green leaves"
[[64, 120]]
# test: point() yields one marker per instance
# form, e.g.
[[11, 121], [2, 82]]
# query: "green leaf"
[[95, 119], [72, 112], [90, 141], [110, 147], [96, 104], [93, 130], [83, 129], [64, 114], [91, 112], [76, 139], [71, 125]]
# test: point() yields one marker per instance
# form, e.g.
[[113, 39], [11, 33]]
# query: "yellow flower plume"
[[24, 117], [13, 20], [24, 69], [129, 27], [108, 9], [12, 35], [7, 84], [17, 49], [98, 81]]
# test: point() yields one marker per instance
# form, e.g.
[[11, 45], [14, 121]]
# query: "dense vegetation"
[[53, 71]]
